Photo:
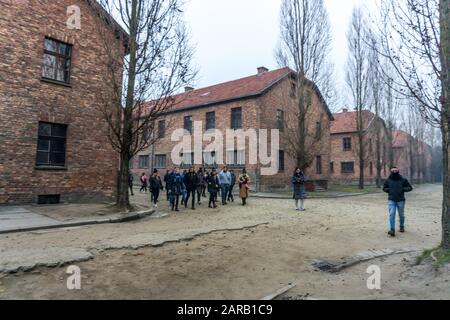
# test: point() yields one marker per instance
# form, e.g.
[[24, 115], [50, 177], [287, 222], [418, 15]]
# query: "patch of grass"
[[439, 256]]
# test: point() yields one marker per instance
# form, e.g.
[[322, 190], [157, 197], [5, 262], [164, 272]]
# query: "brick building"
[[345, 146], [53, 138], [413, 157], [265, 100]]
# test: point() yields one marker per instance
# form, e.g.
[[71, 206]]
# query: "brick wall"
[[339, 155], [91, 164], [256, 113]]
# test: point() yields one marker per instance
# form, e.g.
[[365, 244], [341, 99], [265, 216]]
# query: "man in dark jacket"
[[191, 182], [396, 186]]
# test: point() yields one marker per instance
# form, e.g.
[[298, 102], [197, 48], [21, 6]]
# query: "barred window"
[[57, 60], [347, 167], [143, 162], [236, 118], [347, 144], [188, 124], [51, 148], [210, 120], [160, 161]]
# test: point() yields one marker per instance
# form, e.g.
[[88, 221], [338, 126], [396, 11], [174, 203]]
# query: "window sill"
[[60, 83], [50, 168]]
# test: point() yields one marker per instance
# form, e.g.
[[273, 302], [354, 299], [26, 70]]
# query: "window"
[[347, 167], [331, 167], [318, 130], [371, 169], [131, 163], [280, 120], [143, 162], [236, 157], [210, 120], [51, 148], [370, 147], [319, 164], [56, 61], [236, 118], [209, 158], [188, 124], [160, 161], [49, 199], [347, 144], [161, 129], [187, 159], [281, 160], [293, 92]]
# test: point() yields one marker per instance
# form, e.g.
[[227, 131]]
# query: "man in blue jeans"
[[225, 182], [396, 186]]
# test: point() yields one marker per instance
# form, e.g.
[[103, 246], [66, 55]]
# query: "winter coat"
[[156, 183], [396, 186], [130, 179], [298, 183], [244, 185], [213, 184], [201, 179], [176, 184], [144, 181], [233, 179], [190, 181]]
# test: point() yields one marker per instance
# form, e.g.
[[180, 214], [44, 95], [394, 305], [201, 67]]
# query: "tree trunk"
[[123, 200], [378, 178], [445, 117], [361, 153]]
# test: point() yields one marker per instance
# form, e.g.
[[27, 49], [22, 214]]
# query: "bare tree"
[[358, 80], [415, 38], [156, 67], [305, 46]]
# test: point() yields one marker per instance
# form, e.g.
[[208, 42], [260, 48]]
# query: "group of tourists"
[[190, 186]]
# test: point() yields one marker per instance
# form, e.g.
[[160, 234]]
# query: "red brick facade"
[[265, 93], [345, 146], [89, 172], [412, 157]]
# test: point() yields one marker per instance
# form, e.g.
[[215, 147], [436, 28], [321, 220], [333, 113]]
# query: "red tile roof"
[[345, 122], [232, 90]]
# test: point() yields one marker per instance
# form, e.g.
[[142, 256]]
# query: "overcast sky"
[[234, 37]]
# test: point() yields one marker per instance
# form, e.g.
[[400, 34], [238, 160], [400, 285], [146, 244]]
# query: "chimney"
[[187, 89], [345, 110], [262, 70]]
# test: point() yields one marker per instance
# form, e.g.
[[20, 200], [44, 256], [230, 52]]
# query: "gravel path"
[[233, 252]]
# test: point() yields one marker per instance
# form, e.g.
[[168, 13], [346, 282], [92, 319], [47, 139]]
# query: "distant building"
[[265, 100], [53, 139], [413, 157], [345, 147]]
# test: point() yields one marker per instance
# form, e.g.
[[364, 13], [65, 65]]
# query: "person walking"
[[201, 185], [298, 182], [225, 182], [213, 188], [130, 182], [191, 182], [144, 182], [396, 186], [183, 190], [232, 184], [176, 189], [155, 187], [244, 186], [166, 182]]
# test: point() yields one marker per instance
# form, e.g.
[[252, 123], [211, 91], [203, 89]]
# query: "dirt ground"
[[237, 252]]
